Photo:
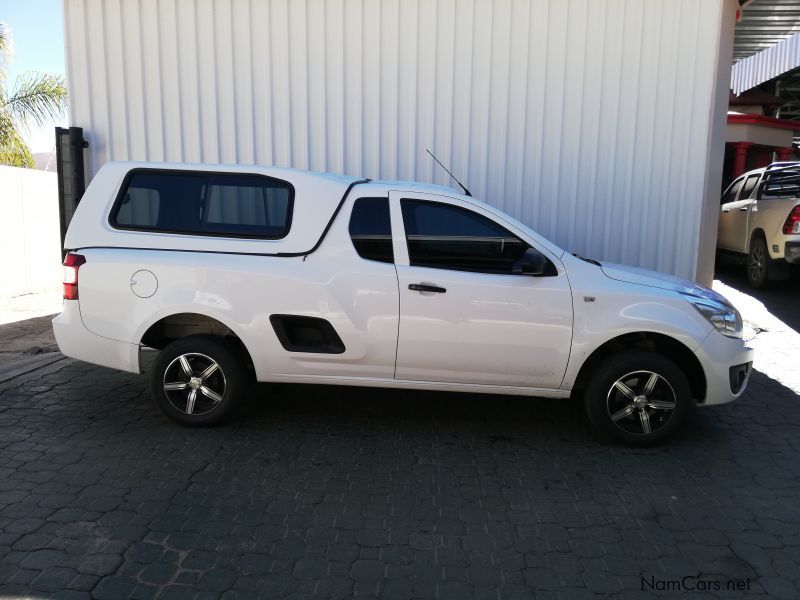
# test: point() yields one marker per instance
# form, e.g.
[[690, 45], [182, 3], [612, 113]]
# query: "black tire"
[[759, 264], [228, 381], [617, 415]]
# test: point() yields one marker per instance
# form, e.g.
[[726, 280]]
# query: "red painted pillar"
[[740, 158], [784, 154], [758, 157]]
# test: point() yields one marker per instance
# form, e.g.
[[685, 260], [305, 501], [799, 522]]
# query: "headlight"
[[719, 313]]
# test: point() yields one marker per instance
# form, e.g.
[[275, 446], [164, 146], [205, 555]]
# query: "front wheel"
[[199, 380], [639, 399]]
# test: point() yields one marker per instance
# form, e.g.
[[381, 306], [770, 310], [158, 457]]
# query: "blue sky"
[[38, 31]]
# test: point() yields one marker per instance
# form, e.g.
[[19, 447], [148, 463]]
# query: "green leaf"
[[15, 152], [37, 97], [6, 49]]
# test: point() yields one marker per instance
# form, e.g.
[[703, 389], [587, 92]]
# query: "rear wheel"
[[638, 398], [759, 264], [199, 380]]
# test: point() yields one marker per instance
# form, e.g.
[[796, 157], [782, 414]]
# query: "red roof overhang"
[[748, 119]]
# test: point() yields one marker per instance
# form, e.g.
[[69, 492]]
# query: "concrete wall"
[[759, 134], [597, 122], [30, 244]]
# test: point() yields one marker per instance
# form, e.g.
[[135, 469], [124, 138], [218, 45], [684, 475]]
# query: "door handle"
[[743, 208], [425, 287]]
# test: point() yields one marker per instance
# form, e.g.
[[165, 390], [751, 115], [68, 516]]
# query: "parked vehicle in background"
[[759, 222], [239, 274]]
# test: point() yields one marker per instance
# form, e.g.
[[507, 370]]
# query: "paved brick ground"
[[30, 336], [339, 492]]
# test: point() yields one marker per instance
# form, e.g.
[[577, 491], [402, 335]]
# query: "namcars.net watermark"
[[694, 583]]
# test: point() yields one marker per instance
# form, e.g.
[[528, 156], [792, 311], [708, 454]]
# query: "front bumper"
[[717, 355], [75, 341]]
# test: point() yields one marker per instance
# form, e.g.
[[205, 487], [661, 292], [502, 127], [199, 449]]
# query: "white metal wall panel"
[[587, 119]]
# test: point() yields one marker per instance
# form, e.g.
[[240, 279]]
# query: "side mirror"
[[531, 263]]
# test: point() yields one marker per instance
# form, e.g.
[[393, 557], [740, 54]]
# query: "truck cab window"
[[443, 236], [730, 193], [371, 229], [749, 186]]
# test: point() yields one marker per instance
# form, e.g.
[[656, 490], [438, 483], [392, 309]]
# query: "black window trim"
[[552, 270], [112, 215], [391, 236]]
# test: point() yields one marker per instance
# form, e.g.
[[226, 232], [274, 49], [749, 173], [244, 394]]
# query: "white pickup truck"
[[245, 273], [759, 223]]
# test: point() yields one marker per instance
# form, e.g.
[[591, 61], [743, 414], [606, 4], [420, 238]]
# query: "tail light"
[[72, 263], [792, 224]]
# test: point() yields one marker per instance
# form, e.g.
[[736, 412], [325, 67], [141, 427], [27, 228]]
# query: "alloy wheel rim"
[[756, 263], [641, 402], [194, 383]]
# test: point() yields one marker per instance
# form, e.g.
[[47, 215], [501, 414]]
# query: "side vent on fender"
[[306, 334]]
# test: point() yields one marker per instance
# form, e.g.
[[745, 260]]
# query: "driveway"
[[782, 298], [333, 492]]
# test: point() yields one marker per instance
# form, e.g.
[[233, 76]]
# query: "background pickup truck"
[[759, 223]]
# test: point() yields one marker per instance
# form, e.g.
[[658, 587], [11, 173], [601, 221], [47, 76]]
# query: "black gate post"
[[71, 179]]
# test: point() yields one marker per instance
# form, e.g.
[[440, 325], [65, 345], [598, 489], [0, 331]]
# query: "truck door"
[[735, 211], [724, 230], [740, 213], [465, 316]]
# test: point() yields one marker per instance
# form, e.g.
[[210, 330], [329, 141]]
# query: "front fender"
[[614, 314]]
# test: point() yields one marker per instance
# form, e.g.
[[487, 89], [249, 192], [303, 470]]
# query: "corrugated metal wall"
[[765, 65], [588, 119]]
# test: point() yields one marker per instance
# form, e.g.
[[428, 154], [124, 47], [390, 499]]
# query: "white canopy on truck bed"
[[316, 198]]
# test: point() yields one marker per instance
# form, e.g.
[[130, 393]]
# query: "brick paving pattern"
[[323, 492]]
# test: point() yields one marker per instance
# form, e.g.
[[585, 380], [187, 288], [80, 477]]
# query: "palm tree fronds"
[[15, 152], [6, 44], [38, 97], [7, 126]]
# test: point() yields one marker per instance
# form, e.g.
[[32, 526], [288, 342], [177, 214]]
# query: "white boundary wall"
[[598, 122], [29, 232]]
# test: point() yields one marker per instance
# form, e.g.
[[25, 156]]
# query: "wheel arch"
[[757, 232], [176, 325], [669, 347]]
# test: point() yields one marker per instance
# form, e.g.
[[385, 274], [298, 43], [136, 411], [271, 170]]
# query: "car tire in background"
[[637, 398], [199, 380], [759, 264]]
